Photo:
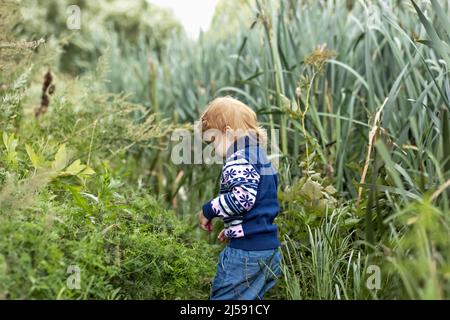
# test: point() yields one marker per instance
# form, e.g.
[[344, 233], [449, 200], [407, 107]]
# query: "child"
[[250, 263]]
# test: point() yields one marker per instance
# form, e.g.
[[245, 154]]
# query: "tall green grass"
[[373, 52], [326, 265]]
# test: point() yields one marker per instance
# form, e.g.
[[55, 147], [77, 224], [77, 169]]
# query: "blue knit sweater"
[[247, 200]]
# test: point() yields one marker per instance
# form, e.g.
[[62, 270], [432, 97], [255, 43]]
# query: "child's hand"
[[204, 223], [222, 236]]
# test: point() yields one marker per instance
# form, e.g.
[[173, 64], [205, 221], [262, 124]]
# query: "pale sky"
[[195, 15]]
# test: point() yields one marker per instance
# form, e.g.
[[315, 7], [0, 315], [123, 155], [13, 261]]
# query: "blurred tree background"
[[103, 22]]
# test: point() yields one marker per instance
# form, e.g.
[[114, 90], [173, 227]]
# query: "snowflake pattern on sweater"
[[238, 189]]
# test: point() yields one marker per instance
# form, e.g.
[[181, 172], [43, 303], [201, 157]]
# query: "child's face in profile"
[[222, 141]]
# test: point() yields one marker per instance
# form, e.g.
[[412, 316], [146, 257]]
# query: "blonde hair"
[[226, 112]]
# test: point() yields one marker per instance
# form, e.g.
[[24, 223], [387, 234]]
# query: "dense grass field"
[[356, 94]]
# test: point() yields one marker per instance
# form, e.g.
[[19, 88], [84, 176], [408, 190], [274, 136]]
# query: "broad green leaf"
[[87, 172], [11, 145], [312, 190], [35, 159], [9, 141], [75, 168], [79, 200], [61, 159]]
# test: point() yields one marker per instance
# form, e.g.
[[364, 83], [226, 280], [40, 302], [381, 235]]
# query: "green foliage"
[[311, 192], [61, 205], [14, 54], [418, 247], [325, 265], [57, 212], [124, 244], [360, 94]]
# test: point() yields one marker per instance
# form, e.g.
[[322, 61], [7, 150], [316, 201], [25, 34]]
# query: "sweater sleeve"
[[239, 187]]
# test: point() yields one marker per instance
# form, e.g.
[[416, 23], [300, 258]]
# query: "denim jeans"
[[245, 275]]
